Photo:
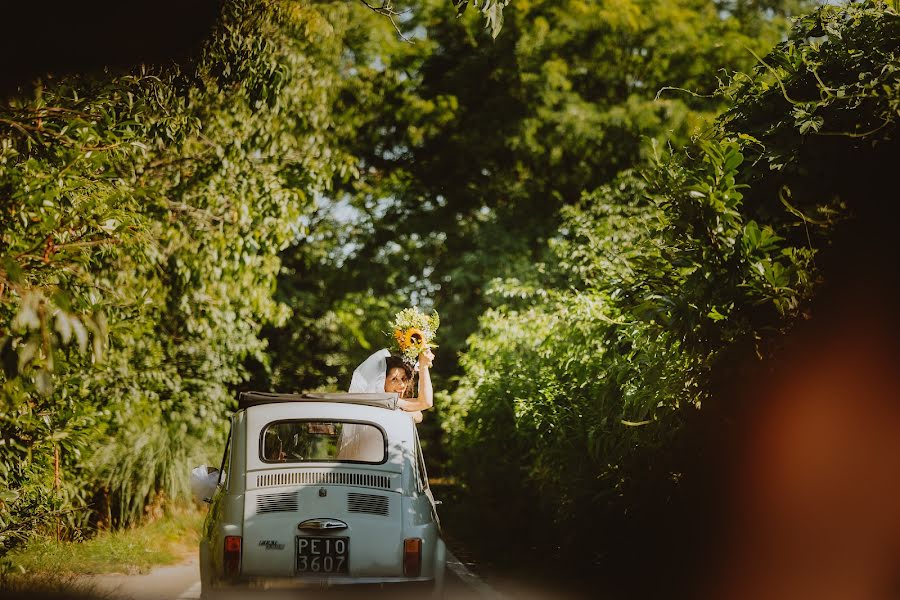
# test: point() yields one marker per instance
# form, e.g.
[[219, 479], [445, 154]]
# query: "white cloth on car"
[[204, 482]]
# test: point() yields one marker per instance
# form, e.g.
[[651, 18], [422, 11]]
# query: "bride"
[[383, 372]]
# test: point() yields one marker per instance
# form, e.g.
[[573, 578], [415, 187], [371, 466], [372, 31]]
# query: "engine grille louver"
[[368, 503], [323, 478], [270, 503]]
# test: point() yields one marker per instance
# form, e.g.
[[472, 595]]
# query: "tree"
[[145, 213], [145, 208], [469, 147]]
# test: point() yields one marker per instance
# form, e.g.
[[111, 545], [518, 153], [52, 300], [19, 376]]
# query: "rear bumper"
[[271, 588], [342, 580]]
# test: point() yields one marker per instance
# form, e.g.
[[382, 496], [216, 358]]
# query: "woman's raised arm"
[[426, 391]]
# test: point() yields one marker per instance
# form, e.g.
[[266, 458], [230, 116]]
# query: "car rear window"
[[322, 441]]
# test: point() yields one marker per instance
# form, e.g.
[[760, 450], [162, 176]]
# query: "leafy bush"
[[586, 402], [145, 214]]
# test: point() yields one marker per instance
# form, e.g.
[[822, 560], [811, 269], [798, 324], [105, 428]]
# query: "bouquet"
[[414, 332]]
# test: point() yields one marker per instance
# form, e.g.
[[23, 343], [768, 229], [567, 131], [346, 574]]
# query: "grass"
[[50, 587], [166, 541]]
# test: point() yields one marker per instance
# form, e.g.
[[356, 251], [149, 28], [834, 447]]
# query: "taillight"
[[232, 557], [412, 557]]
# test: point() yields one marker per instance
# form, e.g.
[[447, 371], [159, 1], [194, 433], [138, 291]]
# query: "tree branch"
[[387, 10]]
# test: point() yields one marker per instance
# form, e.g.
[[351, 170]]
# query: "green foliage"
[[144, 215], [824, 101], [468, 146], [581, 386], [491, 9], [261, 212]]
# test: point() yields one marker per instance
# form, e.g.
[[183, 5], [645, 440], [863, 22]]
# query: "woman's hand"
[[426, 359]]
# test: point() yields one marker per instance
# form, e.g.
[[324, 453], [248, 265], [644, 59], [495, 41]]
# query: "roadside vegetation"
[[144, 214], [621, 211], [49, 568], [49, 587], [167, 540], [602, 391]]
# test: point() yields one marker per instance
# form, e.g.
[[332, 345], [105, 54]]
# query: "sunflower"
[[414, 338], [398, 335]]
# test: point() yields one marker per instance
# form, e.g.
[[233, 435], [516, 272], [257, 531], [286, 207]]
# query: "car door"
[[212, 543]]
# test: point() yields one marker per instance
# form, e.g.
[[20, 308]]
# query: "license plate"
[[322, 554]]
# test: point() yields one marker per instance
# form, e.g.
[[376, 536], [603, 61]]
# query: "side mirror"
[[204, 481]]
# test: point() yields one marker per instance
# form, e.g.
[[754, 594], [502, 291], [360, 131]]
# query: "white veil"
[[361, 441], [369, 376]]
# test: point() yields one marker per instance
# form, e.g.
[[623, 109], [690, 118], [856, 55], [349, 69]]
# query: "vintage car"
[[321, 490]]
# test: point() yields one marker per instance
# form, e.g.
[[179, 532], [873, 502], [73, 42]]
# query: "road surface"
[[182, 582]]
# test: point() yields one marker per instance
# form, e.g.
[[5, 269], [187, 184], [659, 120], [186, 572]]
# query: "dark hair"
[[395, 362]]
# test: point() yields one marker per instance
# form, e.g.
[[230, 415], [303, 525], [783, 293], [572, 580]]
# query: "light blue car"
[[321, 490]]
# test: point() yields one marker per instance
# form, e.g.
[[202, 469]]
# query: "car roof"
[[396, 423], [383, 400]]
